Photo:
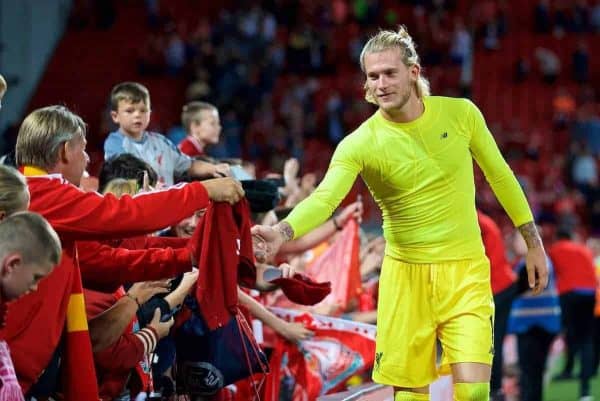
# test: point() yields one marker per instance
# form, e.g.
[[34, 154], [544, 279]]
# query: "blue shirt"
[[154, 149]]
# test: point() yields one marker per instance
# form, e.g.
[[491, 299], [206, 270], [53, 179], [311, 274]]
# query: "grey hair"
[[43, 132]]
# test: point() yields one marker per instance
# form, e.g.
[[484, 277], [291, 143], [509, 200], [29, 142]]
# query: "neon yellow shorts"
[[421, 303]]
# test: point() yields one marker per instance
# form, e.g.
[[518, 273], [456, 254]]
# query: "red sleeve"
[[122, 356], [104, 268], [186, 147], [153, 242], [78, 215], [97, 302]]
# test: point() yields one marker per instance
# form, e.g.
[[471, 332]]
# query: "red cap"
[[302, 290]]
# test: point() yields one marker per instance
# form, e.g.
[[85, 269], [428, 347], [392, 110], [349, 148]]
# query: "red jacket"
[[36, 321], [225, 243], [573, 265], [190, 147], [106, 268], [502, 275]]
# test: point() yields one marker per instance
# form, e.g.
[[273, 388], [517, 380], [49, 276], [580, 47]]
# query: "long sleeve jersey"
[[420, 174], [107, 266]]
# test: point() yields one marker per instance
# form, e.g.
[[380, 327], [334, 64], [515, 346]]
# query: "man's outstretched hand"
[[268, 239], [224, 190]]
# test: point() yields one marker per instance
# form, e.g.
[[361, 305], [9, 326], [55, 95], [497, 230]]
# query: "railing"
[[367, 392]]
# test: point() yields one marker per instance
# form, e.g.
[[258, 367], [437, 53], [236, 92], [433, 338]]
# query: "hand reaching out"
[[224, 190], [145, 290], [353, 210], [268, 240], [293, 331], [290, 173]]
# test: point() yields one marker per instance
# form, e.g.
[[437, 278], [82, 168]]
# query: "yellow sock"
[[472, 391], [409, 396]]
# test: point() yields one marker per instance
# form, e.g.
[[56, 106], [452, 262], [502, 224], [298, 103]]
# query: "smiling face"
[[185, 228], [389, 82]]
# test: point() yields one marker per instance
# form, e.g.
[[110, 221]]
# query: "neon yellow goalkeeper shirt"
[[420, 174]]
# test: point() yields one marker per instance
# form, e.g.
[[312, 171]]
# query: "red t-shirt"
[[191, 147], [502, 275], [573, 266]]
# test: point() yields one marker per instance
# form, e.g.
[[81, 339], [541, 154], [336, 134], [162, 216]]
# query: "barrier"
[[366, 392]]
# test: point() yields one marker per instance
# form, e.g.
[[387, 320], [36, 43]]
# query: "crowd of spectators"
[[279, 83]]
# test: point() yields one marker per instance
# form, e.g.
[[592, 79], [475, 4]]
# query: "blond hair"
[[385, 40], [193, 112], [3, 84], [120, 186], [31, 235], [13, 190], [133, 92], [43, 132]]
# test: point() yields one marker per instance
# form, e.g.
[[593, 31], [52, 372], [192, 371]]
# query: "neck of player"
[[412, 109]]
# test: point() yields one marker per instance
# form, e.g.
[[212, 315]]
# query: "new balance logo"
[[444, 135]]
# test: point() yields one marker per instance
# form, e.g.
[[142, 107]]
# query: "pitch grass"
[[568, 390]]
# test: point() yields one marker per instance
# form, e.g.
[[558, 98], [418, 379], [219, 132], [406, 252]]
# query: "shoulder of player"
[[362, 133], [450, 103], [352, 143], [456, 110]]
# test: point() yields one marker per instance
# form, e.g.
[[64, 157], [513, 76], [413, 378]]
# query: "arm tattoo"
[[530, 235], [286, 231]]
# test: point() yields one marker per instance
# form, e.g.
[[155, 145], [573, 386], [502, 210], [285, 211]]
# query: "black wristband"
[[336, 225]]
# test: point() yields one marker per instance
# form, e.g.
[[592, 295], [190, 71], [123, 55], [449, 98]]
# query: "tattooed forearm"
[[286, 231], [530, 235]]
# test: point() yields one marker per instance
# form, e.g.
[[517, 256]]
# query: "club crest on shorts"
[[378, 356]]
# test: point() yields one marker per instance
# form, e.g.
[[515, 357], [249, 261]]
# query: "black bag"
[[211, 360]]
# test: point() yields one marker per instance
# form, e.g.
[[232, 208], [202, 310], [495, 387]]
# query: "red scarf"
[[79, 374], [225, 257]]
